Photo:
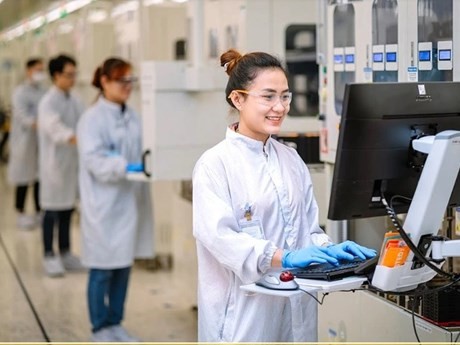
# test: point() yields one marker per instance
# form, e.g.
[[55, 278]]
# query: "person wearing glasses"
[[254, 210], [116, 212], [58, 114]]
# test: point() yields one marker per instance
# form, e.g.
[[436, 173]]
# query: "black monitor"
[[374, 154]]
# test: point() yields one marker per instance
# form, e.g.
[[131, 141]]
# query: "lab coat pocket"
[[252, 227]]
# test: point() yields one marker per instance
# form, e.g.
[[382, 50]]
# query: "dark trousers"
[[106, 296], [2, 146], [62, 219], [21, 193]]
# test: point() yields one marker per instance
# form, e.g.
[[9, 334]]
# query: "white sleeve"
[[20, 109], [93, 154], [216, 228], [50, 123]]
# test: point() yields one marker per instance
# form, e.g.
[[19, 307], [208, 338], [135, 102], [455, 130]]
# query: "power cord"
[[392, 214], [314, 297]]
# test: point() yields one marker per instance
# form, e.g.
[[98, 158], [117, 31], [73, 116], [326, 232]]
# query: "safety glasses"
[[267, 98]]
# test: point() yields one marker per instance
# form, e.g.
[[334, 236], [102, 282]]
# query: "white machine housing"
[[426, 210]]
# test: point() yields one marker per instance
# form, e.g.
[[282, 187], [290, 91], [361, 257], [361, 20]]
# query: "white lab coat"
[[116, 213], [23, 159], [58, 114], [276, 183]]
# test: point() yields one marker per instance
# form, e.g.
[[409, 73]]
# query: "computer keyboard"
[[330, 272]]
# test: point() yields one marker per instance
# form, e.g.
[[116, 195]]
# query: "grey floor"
[[36, 308]]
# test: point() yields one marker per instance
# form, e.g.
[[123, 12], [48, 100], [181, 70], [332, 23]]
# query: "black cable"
[[24, 290], [392, 214], [312, 296], [457, 337], [414, 299]]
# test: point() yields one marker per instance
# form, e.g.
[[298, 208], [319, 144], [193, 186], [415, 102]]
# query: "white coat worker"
[[58, 114], [253, 210], [23, 160], [116, 212]]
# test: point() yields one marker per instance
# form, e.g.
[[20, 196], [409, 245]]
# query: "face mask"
[[38, 77]]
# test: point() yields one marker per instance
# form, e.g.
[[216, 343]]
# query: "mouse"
[[277, 281]]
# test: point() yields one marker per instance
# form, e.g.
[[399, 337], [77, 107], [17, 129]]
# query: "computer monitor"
[[374, 152], [375, 157]]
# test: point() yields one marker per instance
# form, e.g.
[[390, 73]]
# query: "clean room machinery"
[[377, 42], [175, 47]]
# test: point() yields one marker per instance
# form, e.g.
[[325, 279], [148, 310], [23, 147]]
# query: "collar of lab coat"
[[254, 145], [115, 107], [60, 92]]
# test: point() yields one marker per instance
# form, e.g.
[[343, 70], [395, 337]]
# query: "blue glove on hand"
[[348, 250], [305, 256], [134, 167]]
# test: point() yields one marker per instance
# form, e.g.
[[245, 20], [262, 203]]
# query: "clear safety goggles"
[[268, 99], [125, 81]]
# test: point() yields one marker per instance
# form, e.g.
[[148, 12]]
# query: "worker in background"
[[116, 212], [58, 114], [253, 210], [23, 159]]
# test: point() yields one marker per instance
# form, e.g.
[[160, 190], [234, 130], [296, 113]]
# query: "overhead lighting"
[[65, 28], [39, 19], [36, 23], [97, 16], [152, 2], [121, 9], [75, 5]]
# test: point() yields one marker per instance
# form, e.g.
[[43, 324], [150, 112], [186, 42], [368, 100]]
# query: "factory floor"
[[37, 308]]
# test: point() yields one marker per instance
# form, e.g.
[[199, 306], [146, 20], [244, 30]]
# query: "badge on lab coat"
[[252, 228], [250, 225]]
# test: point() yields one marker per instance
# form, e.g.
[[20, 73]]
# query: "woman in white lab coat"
[[253, 210], [23, 159], [116, 212]]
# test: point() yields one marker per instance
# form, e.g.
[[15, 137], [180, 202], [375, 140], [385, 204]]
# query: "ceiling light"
[[97, 16]]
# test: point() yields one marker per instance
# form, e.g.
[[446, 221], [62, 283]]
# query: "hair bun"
[[229, 60]]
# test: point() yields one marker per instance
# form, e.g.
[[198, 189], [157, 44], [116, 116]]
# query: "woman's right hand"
[[305, 256]]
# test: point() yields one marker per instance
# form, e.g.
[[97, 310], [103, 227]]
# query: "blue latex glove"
[[348, 250], [305, 256], [134, 167]]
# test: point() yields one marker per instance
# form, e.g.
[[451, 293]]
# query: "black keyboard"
[[328, 271]]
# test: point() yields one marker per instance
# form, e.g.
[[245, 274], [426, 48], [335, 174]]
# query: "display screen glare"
[[445, 55], [350, 58], [424, 55], [391, 57], [378, 57]]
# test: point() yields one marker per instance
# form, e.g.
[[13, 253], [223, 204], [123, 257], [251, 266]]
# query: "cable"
[[24, 290], [457, 337], [312, 296], [414, 299], [392, 214]]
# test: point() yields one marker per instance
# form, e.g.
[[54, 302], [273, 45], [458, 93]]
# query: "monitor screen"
[[338, 59], [349, 58], [424, 55], [379, 121], [377, 57], [445, 55], [391, 57]]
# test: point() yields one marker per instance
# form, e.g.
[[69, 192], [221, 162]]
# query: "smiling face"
[[264, 104]]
